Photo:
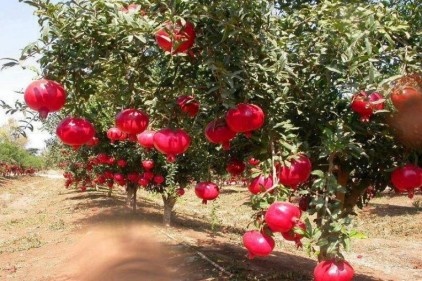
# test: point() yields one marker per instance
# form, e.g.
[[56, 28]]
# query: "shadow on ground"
[[383, 210], [140, 255]]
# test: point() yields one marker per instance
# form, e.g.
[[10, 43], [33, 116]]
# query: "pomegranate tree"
[[241, 60]]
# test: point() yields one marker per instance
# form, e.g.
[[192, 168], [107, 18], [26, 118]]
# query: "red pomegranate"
[[282, 216], [365, 105], [407, 178], [260, 184], [93, 142], [258, 244], [115, 134], [253, 162], [143, 182], [304, 203], [218, 132], [158, 179], [171, 142], [298, 172], [75, 131], [132, 121], [188, 105], [133, 177], [45, 96], [331, 270], [146, 139], [235, 167], [291, 235], [176, 37], [245, 118], [407, 90], [148, 164], [180, 191], [119, 178], [206, 191], [148, 176], [121, 163]]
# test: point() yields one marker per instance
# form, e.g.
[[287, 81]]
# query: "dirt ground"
[[51, 233]]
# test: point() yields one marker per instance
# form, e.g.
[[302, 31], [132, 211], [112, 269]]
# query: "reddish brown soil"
[[49, 233]]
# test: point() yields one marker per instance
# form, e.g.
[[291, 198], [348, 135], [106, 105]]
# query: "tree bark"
[[169, 203], [131, 191], [353, 196]]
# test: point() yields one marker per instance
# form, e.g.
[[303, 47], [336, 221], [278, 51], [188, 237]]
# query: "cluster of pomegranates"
[[244, 118], [406, 90], [282, 217]]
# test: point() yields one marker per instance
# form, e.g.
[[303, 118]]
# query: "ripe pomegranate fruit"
[[119, 178], [365, 105], [298, 172], [235, 167], [258, 244], [407, 178], [133, 177], [132, 121], [291, 235], [331, 270], [407, 90], [218, 132], [176, 37], [148, 176], [253, 162], [143, 182], [260, 184], [405, 96], [180, 191], [93, 142], [146, 139], [282, 216], [158, 179], [75, 131], [115, 134], [148, 164], [304, 203], [45, 96], [188, 105], [121, 163], [206, 191], [171, 142], [245, 118]]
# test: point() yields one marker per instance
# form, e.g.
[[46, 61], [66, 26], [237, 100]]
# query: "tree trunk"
[[131, 191], [169, 203], [353, 196]]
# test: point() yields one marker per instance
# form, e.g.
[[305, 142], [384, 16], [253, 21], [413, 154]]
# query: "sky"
[[18, 27]]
